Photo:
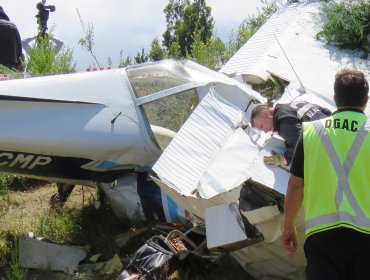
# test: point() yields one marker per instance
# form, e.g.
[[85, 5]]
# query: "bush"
[[346, 24], [43, 60]]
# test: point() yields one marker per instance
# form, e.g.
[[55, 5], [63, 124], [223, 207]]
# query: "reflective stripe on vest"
[[342, 172], [304, 109]]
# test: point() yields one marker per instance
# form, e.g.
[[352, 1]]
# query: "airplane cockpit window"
[[165, 91], [155, 77], [171, 111]]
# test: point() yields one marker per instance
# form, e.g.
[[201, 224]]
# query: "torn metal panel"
[[205, 165], [227, 230], [194, 146], [208, 147], [137, 198], [45, 255], [124, 198]]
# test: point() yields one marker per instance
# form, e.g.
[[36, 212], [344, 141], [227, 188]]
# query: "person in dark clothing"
[[329, 173], [10, 43], [287, 120]]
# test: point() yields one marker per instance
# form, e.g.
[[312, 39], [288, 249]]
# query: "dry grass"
[[81, 224], [24, 209]]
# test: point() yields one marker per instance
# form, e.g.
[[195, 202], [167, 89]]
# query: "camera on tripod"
[[43, 15]]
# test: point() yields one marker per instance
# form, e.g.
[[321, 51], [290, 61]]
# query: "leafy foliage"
[[156, 52], [141, 57], [88, 41], [346, 24], [43, 59], [213, 53], [184, 19], [10, 181], [10, 73], [271, 89], [123, 62], [210, 53]]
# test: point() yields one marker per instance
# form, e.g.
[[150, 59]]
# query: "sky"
[[119, 25]]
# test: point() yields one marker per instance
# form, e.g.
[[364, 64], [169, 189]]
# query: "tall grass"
[[14, 271]]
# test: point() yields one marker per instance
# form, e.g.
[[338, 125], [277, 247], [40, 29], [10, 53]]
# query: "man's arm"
[[293, 201], [289, 129]]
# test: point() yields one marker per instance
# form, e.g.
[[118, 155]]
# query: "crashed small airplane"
[[187, 126], [106, 128]]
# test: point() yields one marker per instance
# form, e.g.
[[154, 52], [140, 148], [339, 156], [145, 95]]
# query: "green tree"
[[184, 20], [156, 52], [141, 57], [173, 12], [210, 53], [175, 50], [123, 62]]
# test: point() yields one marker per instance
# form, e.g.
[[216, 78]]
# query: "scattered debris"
[[35, 252], [147, 258], [110, 267], [122, 239], [95, 258]]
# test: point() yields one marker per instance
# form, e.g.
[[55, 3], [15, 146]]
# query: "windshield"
[[164, 91], [156, 77]]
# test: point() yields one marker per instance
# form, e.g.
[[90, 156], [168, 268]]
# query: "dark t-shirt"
[[288, 118], [297, 166], [10, 44]]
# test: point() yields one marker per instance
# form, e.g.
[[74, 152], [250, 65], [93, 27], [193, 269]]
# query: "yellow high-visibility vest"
[[337, 173]]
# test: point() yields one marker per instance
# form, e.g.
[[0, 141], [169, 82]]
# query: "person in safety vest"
[[287, 120], [330, 173]]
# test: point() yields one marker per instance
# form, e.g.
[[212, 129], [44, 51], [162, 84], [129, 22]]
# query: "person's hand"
[[275, 160], [289, 239]]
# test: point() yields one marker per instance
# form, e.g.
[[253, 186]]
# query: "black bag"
[[254, 195], [147, 258]]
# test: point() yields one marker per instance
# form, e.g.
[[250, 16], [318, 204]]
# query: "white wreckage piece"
[[41, 254], [203, 170]]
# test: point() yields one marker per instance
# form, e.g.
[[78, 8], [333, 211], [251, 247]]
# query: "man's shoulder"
[[7, 24], [282, 111]]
